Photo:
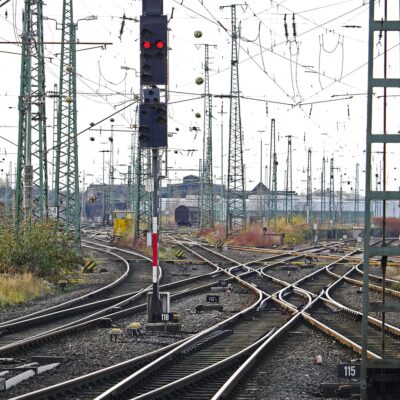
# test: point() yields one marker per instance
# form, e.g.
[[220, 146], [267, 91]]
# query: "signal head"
[[160, 44]]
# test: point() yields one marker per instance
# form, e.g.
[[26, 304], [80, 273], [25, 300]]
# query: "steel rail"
[[165, 358], [103, 315]]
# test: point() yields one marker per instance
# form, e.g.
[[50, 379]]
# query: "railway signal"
[[153, 50], [153, 130]]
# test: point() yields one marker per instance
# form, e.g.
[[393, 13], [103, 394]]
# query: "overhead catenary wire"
[[251, 57]]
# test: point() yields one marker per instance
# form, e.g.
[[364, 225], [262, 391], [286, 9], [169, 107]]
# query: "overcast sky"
[[314, 84]]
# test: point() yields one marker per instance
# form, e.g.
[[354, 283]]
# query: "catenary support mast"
[[207, 203], [66, 196], [31, 180], [236, 198], [379, 377]]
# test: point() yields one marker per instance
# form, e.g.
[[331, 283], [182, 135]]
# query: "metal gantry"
[[31, 180], [273, 177], [309, 187], [66, 196], [379, 377], [207, 197], [236, 196]]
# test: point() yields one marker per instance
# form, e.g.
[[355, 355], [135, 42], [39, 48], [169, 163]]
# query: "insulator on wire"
[[348, 111], [266, 109], [294, 26], [121, 31], [309, 114], [286, 30]]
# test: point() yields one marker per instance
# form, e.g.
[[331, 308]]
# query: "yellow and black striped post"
[[180, 254]]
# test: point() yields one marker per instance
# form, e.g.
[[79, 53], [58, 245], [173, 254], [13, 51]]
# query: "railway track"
[[289, 299], [104, 292], [23, 331]]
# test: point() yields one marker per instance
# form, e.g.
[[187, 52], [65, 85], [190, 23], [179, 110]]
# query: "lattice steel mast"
[[273, 178], [236, 197], [357, 194], [332, 213], [379, 377], [142, 198], [132, 164], [67, 171], [31, 180], [111, 175], [207, 203], [289, 183], [322, 217], [309, 187]]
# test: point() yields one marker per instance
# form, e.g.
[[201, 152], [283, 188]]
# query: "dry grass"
[[297, 232], [16, 289], [213, 235]]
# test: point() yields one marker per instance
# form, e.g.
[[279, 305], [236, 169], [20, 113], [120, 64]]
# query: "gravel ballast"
[[289, 371], [81, 350]]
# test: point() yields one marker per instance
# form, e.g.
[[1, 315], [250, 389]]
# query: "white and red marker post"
[[155, 305]]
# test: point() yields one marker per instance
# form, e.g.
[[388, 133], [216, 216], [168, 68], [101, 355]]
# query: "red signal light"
[[160, 44], [146, 44]]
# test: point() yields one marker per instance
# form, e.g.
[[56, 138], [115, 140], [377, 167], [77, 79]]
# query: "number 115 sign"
[[352, 371]]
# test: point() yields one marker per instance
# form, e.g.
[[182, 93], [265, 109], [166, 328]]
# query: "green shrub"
[[39, 247]]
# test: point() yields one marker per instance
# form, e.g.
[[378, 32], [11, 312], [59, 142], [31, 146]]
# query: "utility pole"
[[104, 190], [32, 181], [332, 216], [236, 196], [130, 189], [260, 192], [111, 171], [322, 217], [341, 200], [289, 183], [357, 194], [379, 377], [222, 160], [309, 187], [273, 177], [207, 191], [132, 164]]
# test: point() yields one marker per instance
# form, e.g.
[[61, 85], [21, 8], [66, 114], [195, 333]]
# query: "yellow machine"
[[123, 223]]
